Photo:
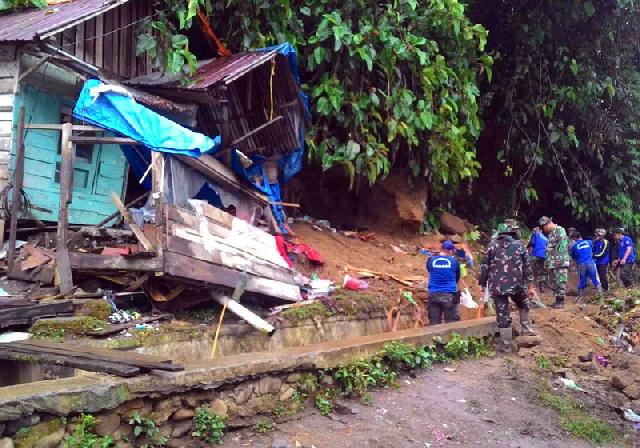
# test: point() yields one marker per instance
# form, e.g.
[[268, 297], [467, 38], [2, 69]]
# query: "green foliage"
[[12, 5], [264, 426], [146, 433], [208, 426], [323, 403], [472, 237], [391, 83], [463, 348], [567, 106], [84, 437], [574, 419], [543, 362]]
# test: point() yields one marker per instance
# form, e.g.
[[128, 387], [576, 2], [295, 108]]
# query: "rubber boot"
[[559, 303], [527, 328], [506, 339]]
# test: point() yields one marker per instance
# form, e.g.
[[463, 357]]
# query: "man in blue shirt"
[[582, 253], [538, 249], [444, 274], [625, 258], [601, 256]]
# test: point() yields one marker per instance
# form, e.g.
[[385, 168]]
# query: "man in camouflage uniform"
[[506, 271], [557, 261]]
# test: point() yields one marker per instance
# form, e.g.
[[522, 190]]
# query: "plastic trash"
[[486, 296], [425, 252], [466, 299], [353, 283], [636, 426], [631, 416], [463, 270], [600, 359], [409, 296], [13, 336], [570, 384]]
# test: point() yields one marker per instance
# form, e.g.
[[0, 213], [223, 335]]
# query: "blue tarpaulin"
[[110, 109]]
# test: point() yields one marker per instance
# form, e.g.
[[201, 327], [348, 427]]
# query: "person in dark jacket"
[[625, 258], [444, 274], [506, 271], [601, 257], [582, 253]]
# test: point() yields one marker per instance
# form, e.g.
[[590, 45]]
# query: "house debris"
[[117, 179]]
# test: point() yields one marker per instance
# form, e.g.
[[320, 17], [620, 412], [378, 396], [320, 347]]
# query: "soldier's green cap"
[[544, 221], [508, 226]]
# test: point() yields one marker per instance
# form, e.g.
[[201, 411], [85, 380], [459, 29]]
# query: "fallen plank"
[[129, 220], [28, 314], [117, 328], [406, 280], [93, 262], [42, 274], [123, 358], [90, 365]]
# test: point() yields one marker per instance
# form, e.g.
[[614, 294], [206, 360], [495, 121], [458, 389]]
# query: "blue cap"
[[448, 245]]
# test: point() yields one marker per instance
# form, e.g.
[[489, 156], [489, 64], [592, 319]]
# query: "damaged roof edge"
[[39, 24]]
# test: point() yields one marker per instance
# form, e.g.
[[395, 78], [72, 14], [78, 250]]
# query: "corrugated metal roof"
[[33, 24], [214, 72]]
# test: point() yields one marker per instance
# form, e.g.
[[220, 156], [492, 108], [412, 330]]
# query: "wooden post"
[[18, 179], [225, 130], [63, 265], [157, 195]]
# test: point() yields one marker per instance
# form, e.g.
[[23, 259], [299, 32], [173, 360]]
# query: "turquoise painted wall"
[[94, 177]]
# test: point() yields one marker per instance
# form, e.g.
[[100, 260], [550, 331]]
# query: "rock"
[[181, 429], [528, 341], [126, 409], [280, 443], [50, 441], [122, 444], [177, 443], [452, 224], [621, 382], [327, 380], [587, 357], [166, 430], [635, 405], [342, 408], [106, 425], [2, 427], [243, 394], [633, 391], [182, 414], [125, 430], [566, 373], [293, 378], [219, 408], [191, 401], [588, 367], [165, 409], [287, 394], [269, 385], [6, 443]]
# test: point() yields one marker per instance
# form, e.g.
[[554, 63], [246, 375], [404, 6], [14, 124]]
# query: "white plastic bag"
[[487, 295], [466, 300]]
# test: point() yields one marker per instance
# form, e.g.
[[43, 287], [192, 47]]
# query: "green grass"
[[574, 419]]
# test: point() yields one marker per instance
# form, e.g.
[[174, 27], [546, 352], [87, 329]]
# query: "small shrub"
[[543, 362], [324, 403], [83, 436], [146, 429], [264, 426], [208, 426]]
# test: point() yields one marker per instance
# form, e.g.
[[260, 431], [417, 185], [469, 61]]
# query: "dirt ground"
[[492, 402]]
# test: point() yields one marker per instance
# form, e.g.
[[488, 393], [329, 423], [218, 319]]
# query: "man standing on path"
[[625, 258], [557, 261], [582, 253], [538, 247], [444, 274], [601, 256], [506, 271]]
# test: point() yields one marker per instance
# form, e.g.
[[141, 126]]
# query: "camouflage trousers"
[[503, 316], [558, 280], [539, 271]]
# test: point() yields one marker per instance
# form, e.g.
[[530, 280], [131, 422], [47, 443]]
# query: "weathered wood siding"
[[94, 180], [8, 67], [109, 40]]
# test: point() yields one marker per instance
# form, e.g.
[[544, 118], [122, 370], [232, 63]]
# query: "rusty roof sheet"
[[33, 24], [211, 73]]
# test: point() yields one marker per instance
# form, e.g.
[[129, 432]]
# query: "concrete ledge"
[[92, 393]]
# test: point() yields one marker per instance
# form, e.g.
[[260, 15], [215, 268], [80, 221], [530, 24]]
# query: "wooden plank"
[[90, 365], [241, 262], [97, 232], [192, 269], [129, 220], [42, 274], [80, 41], [90, 42], [157, 196], [108, 354], [99, 50], [79, 139], [17, 189], [66, 184], [63, 269], [93, 262], [123, 47], [58, 127], [107, 55], [27, 315]]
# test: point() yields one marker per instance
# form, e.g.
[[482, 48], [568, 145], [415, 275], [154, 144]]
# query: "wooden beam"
[[92, 262], [157, 195], [18, 179], [256, 130], [58, 127], [63, 269], [129, 220], [39, 64], [26, 315], [82, 139], [66, 184]]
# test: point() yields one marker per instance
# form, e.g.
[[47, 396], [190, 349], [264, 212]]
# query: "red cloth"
[[301, 248], [281, 244]]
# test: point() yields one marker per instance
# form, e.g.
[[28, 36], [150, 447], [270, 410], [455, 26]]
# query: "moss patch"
[[64, 326], [29, 436], [98, 308]]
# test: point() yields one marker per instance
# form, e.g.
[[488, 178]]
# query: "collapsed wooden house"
[[206, 217]]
